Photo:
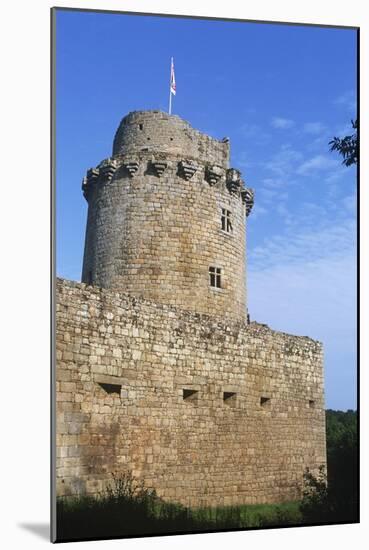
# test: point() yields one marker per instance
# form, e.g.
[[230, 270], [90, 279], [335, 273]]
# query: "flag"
[[172, 79]]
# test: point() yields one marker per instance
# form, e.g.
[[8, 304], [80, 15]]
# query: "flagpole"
[[170, 87]]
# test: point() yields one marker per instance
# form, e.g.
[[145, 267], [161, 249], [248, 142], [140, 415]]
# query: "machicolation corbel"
[[107, 168], [158, 167], [234, 181], [247, 195], [131, 167], [89, 180], [92, 175], [84, 187], [213, 174], [187, 169]]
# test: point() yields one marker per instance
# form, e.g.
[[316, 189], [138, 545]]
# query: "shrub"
[[315, 504]]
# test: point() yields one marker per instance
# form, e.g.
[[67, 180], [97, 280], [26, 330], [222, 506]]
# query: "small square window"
[[226, 220], [264, 401], [215, 277], [311, 403]]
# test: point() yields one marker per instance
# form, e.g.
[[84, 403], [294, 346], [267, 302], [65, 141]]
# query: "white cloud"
[[243, 160], [273, 194], [299, 247], [258, 211], [283, 211], [315, 299], [274, 183], [305, 296], [282, 123], [283, 163], [254, 132], [305, 283], [335, 175], [346, 130], [315, 164], [347, 100], [314, 128], [349, 203]]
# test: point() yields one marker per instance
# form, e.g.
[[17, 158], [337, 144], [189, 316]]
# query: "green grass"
[[251, 516], [127, 508], [88, 518]]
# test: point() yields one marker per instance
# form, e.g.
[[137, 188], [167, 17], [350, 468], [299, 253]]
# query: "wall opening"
[[264, 401], [89, 277], [215, 277], [141, 126], [190, 395], [111, 388], [311, 403], [229, 397]]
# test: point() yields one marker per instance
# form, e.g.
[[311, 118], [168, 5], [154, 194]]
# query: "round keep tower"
[[166, 217]]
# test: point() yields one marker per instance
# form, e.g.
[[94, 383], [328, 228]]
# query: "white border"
[[25, 49]]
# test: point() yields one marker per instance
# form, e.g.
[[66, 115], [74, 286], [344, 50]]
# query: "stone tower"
[[166, 218]]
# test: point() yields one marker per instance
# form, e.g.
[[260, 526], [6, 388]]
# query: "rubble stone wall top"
[[161, 132]]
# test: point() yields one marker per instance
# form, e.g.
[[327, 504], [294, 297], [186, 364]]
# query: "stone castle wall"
[[154, 223], [205, 410]]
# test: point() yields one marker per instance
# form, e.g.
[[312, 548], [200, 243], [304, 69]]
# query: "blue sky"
[[280, 93]]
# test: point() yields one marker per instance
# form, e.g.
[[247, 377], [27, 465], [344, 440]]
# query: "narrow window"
[[264, 401], [215, 277], [89, 278], [223, 219], [190, 395], [111, 388], [141, 126], [226, 219]]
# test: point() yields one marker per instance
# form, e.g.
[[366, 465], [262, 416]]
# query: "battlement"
[[131, 165], [157, 131]]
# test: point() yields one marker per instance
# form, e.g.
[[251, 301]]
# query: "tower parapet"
[[166, 218], [158, 132]]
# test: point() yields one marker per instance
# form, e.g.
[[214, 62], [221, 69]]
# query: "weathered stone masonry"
[[157, 372], [199, 450], [154, 214]]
